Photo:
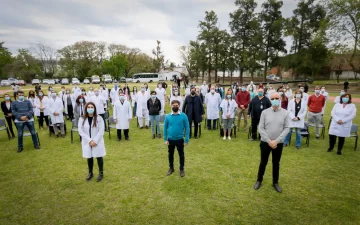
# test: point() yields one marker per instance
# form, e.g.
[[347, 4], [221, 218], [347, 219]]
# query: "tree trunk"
[[241, 74], [231, 74], [224, 76], [203, 75], [266, 56]]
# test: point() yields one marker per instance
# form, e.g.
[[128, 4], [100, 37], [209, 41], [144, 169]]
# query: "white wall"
[[344, 75]]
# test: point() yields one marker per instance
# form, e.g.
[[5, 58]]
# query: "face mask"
[[275, 102], [21, 98], [260, 94], [41, 94], [153, 96], [7, 98], [97, 93], [345, 100], [134, 89], [176, 93], [50, 89], [322, 90], [175, 109], [115, 86], [341, 93], [142, 90], [122, 98], [250, 89], [243, 89], [62, 90], [83, 93], [251, 82], [91, 89], [76, 86], [67, 92], [159, 86], [298, 95], [281, 93], [302, 90], [90, 110], [229, 96], [212, 91], [317, 91], [193, 93], [53, 95], [81, 100]]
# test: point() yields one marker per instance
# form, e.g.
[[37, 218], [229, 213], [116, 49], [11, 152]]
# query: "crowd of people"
[[274, 114]]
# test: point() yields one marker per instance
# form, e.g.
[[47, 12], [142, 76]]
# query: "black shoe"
[[196, 137], [338, 152], [100, 177], [159, 135], [141, 127], [146, 127], [214, 128], [153, 137], [257, 185], [182, 173], [119, 139], [317, 138], [209, 128], [89, 176], [298, 147], [63, 135], [127, 138], [252, 139], [329, 150], [277, 187], [37, 147], [20, 150], [13, 137], [170, 172]]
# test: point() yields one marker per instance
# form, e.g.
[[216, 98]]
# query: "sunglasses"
[[274, 99]]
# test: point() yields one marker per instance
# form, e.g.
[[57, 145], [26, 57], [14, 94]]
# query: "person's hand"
[[227, 116], [166, 142], [24, 118], [273, 144], [340, 122], [115, 120], [9, 114], [92, 143], [295, 119], [185, 144], [249, 116]]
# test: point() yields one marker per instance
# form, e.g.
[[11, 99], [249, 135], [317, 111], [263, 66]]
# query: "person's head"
[[345, 99], [322, 90], [153, 95], [50, 88], [134, 89], [301, 87], [121, 91], [143, 89], [91, 88], [41, 94], [251, 82], [317, 90], [229, 94], [275, 99], [260, 92], [96, 92], [126, 84], [67, 90], [204, 83], [251, 88], [298, 94], [7, 97], [212, 89], [32, 94], [21, 95], [159, 85], [145, 85], [90, 111], [176, 92], [175, 104], [121, 96], [83, 91], [342, 92], [282, 93], [62, 88], [116, 85], [53, 94], [80, 100], [193, 90]]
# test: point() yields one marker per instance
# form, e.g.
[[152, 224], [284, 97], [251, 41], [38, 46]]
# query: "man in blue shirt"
[[24, 116], [174, 126]]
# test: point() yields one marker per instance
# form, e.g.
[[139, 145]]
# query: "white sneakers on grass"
[[224, 138]]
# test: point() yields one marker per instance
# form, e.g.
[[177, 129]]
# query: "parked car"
[[64, 81], [21, 83], [13, 81], [51, 82], [107, 78], [95, 80], [273, 77], [5, 83], [86, 81], [45, 81], [35, 81], [75, 81], [122, 80]]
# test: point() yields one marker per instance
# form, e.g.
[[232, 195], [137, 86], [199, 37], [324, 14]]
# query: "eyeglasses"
[[274, 99]]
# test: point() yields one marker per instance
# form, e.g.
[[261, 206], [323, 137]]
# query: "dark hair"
[[31, 93], [153, 92], [80, 97], [86, 114], [298, 92], [344, 95], [49, 87], [175, 102], [20, 92]]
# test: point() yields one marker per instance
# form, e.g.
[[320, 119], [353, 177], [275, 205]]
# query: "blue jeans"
[[298, 137], [154, 118], [20, 127]]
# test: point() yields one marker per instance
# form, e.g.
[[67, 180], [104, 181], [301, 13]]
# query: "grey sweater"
[[274, 125]]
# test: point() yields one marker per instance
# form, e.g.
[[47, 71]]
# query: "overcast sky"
[[135, 23]]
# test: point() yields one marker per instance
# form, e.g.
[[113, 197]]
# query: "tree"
[[129, 53], [115, 66], [224, 49], [272, 27], [25, 66], [48, 57], [5, 59], [158, 57]]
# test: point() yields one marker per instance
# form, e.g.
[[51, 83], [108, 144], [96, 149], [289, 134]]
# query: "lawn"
[[48, 186]]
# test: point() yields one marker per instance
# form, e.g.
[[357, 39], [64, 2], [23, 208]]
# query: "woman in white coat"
[[56, 107], [228, 106], [41, 109], [342, 115], [141, 108], [122, 115], [212, 102], [176, 96], [91, 129], [297, 110], [69, 103]]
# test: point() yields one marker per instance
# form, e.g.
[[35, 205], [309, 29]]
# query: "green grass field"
[[48, 186]]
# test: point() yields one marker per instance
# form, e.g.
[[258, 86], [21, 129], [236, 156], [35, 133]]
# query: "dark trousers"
[[254, 124], [41, 119], [70, 112], [179, 144], [100, 162], [20, 128], [9, 121], [332, 140], [103, 116], [126, 133], [196, 128], [209, 124], [276, 156]]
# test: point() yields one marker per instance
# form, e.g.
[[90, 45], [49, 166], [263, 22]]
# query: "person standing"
[[37, 88], [284, 99], [315, 103], [61, 94], [342, 115], [337, 98], [79, 109], [15, 88], [194, 110], [56, 107], [114, 93], [212, 102], [305, 96], [256, 107], [161, 95], [127, 91], [24, 116], [243, 100], [133, 100], [105, 94], [346, 85], [91, 129], [174, 126], [100, 104], [122, 116], [154, 107], [326, 95], [204, 89], [176, 96], [9, 117], [141, 109], [273, 127], [41, 109], [69, 103], [76, 91], [228, 106], [297, 111]]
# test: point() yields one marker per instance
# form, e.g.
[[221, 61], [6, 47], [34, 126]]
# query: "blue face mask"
[[345, 100], [281, 93], [243, 89], [298, 95], [7, 98], [176, 93], [275, 102], [341, 93], [122, 98], [81, 100], [115, 86], [90, 111], [21, 98], [260, 94], [53, 95], [229, 96], [41, 94], [153, 96]]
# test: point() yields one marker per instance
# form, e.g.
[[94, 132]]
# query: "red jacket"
[[243, 98], [316, 104]]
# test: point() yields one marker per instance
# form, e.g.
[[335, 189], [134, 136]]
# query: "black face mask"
[[175, 109], [193, 93]]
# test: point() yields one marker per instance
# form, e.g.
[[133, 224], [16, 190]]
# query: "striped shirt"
[[22, 108]]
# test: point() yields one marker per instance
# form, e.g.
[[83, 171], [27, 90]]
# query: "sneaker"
[[224, 138], [229, 138]]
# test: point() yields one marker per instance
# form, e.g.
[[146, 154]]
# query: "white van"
[[145, 77]]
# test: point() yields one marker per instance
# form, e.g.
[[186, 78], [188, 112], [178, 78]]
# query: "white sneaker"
[[224, 138], [229, 138]]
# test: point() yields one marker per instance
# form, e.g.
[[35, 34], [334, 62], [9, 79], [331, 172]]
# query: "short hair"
[[20, 92], [175, 102], [153, 92], [301, 85], [344, 95], [317, 87], [299, 92]]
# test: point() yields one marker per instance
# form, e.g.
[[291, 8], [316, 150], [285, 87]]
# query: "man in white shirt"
[[114, 93], [251, 84], [305, 95], [212, 102], [142, 111], [161, 95], [100, 104], [326, 95], [204, 89], [76, 91]]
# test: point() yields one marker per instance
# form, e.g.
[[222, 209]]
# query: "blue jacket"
[[174, 127]]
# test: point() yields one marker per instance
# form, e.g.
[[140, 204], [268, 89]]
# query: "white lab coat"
[[97, 135], [212, 102], [56, 106], [99, 102], [76, 92], [204, 89], [90, 94], [133, 99], [160, 93], [32, 100], [305, 97], [337, 99], [113, 93], [248, 88], [45, 105], [228, 108], [289, 94], [64, 99], [140, 99], [105, 93], [301, 114], [326, 95], [179, 98], [60, 94], [346, 115], [123, 113]]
